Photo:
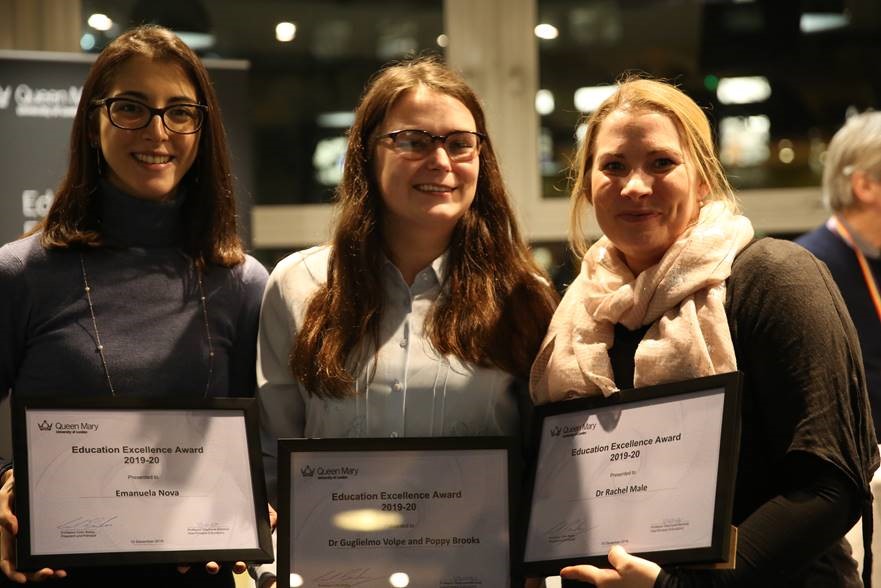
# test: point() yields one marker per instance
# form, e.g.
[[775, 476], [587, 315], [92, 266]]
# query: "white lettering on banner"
[[36, 205], [5, 95], [45, 102]]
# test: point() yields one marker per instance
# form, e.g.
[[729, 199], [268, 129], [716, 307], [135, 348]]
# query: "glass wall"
[[776, 78]]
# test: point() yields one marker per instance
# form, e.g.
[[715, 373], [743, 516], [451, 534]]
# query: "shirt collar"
[[437, 270]]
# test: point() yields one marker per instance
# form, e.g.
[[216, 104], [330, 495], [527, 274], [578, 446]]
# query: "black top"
[[808, 448], [842, 263]]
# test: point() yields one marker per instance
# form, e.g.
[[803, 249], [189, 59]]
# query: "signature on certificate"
[[348, 578], [88, 523], [568, 529]]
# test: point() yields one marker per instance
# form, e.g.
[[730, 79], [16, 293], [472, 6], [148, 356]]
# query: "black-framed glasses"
[[417, 144], [131, 115]]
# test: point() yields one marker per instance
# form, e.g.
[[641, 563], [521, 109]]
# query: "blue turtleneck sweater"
[[146, 303]]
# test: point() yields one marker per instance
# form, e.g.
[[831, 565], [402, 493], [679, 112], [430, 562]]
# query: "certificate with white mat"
[[396, 512], [123, 481], [651, 469]]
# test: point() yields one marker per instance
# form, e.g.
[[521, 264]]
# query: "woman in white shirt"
[[426, 307]]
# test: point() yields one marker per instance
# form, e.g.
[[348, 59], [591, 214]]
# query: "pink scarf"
[[682, 297]]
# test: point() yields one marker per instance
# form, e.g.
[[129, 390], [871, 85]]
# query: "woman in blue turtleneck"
[[135, 284]]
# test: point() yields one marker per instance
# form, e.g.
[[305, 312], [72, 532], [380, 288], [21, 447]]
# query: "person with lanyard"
[[678, 288], [426, 309], [135, 285], [850, 241]]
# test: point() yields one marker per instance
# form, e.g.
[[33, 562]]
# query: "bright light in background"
[[399, 580], [196, 41], [442, 40], [367, 519], [580, 133], [296, 580], [100, 22], [87, 42], [285, 31], [342, 119], [544, 102], [786, 154], [588, 99], [815, 22], [546, 31], [745, 90], [743, 140]]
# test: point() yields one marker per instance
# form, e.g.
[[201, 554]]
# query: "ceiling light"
[[285, 31], [546, 31], [100, 22], [744, 90], [588, 99]]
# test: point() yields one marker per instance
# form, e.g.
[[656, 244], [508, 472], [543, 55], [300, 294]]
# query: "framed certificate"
[[124, 481], [651, 469], [400, 512]]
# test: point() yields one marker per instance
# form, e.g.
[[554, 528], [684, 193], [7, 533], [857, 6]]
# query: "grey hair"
[[856, 146]]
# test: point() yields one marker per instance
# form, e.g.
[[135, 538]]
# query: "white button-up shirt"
[[404, 389]]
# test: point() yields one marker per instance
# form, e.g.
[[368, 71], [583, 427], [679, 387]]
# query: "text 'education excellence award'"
[[651, 469], [395, 512], [126, 482]]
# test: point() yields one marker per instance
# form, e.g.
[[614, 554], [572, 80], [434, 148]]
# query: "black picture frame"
[[721, 545], [246, 407], [510, 447]]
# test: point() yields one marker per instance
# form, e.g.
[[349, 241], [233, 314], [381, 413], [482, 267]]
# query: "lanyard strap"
[[864, 265]]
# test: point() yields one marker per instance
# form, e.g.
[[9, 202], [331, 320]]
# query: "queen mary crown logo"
[[45, 425], [555, 432], [307, 471]]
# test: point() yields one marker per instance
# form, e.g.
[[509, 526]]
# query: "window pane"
[[777, 79]]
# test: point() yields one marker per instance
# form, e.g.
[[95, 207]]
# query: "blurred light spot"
[[296, 580], [745, 90], [399, 580], [544, 102], [588, 99], [711, 82], [442, 40], [87, 42], [815, 22], [336, 120], [100, 22], [743, 140], [367, 519], [786, 155], [285, 31], [546, 31]]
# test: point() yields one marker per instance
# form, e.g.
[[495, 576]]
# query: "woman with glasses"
[[135, 285], [426, 308]]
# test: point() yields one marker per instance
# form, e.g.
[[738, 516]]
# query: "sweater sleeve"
[[14, 311], [243, 355], [799, 351], [777, 541], [808, 449]]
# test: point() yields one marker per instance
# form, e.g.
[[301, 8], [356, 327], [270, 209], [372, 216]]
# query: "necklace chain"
[[99, 347]]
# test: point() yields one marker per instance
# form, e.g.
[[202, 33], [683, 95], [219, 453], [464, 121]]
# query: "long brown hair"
[[209, 211], [494, 309]]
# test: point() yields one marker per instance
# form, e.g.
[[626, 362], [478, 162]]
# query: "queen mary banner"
[[39, 94]]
